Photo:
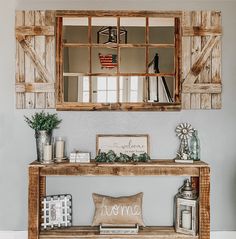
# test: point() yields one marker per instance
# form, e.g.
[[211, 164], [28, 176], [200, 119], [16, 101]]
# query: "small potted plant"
[[43, 124]]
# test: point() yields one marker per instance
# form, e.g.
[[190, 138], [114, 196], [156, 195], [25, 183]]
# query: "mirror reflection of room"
[[105, 65]]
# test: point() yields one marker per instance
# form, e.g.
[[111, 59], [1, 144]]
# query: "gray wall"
[[216, 129]]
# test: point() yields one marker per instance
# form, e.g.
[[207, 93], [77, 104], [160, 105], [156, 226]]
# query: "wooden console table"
[[199, 172]]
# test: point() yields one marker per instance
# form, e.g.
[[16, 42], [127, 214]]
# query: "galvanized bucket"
[[42, 137]]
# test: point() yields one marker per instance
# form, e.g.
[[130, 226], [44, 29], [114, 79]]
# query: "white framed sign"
[[57, 211], [126, 144]]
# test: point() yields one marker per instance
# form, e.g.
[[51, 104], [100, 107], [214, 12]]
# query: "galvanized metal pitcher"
[[42, 137]]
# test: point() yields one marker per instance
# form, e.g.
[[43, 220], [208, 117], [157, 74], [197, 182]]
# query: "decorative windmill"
[[184, 132]]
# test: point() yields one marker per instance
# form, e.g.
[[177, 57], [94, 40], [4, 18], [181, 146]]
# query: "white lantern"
[[186, 214]]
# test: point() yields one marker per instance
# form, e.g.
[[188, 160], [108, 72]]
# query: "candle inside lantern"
[[186, 219], [47, 153], [60, 145]]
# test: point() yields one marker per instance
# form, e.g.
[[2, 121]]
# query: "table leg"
[[33, 203], [204, 203]]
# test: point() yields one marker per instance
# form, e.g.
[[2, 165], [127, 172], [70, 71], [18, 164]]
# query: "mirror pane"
[[75, 30], [76, 59], [161, 60], [132, 60], [76, 88], [104, 30], [104, 60], [132, 89], [104, 89], [160, 89], [161, 30], [134, 29]]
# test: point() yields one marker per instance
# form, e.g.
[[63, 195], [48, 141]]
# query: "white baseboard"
[[23, 235]]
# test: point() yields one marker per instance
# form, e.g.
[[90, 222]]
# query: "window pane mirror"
[[118, 60]]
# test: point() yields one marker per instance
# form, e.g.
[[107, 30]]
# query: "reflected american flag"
[[108, 61]]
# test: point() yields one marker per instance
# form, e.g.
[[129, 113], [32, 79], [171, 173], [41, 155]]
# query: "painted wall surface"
[[216, 129]]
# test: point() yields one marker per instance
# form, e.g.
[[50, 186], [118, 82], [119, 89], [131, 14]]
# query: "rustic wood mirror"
[[118, 60]]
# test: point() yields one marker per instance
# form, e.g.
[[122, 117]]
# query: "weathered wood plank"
[[202, 88], [84, 13], [206, 70], [70, 106], [201, 60], [35, 30], [40, 51], [201, 31], [216, 62], [35, 87], [204, 203], [155, 168], [59, 62], [196, 48], [33, 203], [29, 67], [93, 232], [50, 58], [20, 62], [186, 58], [36, 61]]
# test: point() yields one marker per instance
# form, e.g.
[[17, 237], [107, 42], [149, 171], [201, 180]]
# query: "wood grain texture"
[[28, 43], [33, 203], [154, 168], [35, 59], [186, 59], [50, 60], [93, 232], [69, 106], [202, 82], [40, 51], [196, 49], [20, 61], [204, 203], [216, 62]]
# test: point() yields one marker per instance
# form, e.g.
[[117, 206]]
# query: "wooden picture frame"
[[123, 143]]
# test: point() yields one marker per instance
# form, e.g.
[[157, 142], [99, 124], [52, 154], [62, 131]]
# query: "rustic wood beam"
[[201, 31], [29, 50], [35, 30], [202, 88], [35, 87]]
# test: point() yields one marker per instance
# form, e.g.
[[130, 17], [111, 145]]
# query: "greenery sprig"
[[43, 121], [111, 157]]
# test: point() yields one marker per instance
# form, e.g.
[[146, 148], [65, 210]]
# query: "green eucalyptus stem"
[[111, 157]]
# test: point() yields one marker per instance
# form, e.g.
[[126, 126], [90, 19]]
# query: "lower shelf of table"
[[93, 232]]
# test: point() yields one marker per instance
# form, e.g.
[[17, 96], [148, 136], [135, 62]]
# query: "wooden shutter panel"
[[201, 60], [35, 59]]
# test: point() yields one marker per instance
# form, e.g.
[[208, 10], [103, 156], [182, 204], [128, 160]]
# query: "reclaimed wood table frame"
[[198, 171]]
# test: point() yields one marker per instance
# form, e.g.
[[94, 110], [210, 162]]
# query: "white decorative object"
[[79, 157], [60, 147], [118, 229], [126, 144], [47, 153], [186, 210], [184, 132], [186, 219], [57, 211]]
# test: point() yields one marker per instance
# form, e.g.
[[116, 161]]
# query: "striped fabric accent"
[[108, 61]]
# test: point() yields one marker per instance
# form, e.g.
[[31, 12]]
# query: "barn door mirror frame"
[[125, 61]]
